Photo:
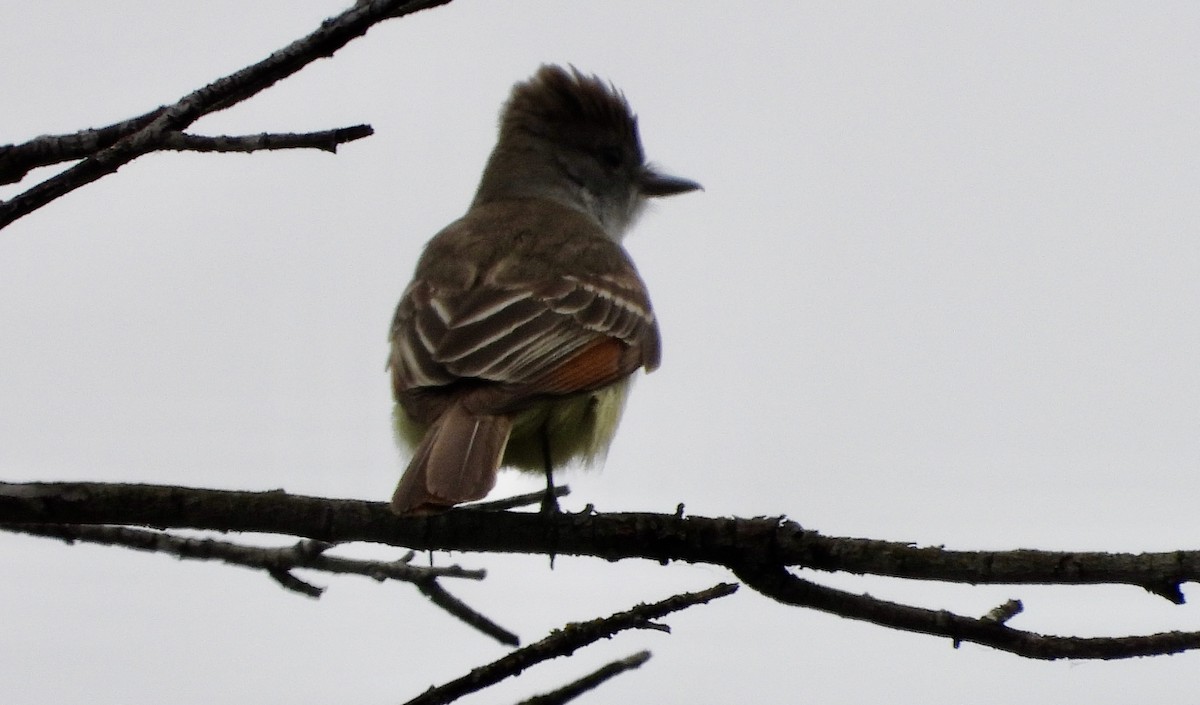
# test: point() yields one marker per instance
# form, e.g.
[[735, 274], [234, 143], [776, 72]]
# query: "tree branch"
[[778, 584], [326, 140], [151, 131], [564, 642], [439, 596], [758, 549], [514, 502], [591, 681], [306, 554], [611, 536], [278, 563], [17, 160]]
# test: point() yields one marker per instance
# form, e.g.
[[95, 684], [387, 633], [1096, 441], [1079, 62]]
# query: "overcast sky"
[[942, 287]]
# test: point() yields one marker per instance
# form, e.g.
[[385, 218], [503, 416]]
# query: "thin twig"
[[332, 35], [591, 681], [563, 642], [778, 584], [326, 140], [16, 160], [435, 592], [278, 563], [1000, 614], [514, 502], [304, 554], [290, 582]]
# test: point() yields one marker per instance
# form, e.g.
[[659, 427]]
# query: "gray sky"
[[941, 287]]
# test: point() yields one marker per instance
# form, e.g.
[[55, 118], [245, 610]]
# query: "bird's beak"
[[653, 183]]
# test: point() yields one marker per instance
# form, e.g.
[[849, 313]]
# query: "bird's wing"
[[567, 334]]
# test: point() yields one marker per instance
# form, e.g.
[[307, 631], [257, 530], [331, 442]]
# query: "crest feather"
[[562, 98]]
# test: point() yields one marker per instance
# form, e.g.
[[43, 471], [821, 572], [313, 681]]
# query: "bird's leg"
[[550, 500]]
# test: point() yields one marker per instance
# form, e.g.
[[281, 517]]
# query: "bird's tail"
[[456, 461]]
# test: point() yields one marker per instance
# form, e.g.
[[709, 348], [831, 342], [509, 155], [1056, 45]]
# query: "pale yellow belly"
[[580, 428]]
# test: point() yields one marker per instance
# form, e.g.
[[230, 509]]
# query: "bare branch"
[[332, 35], [279, 563], [778, 584], [514, 502], [304, 554], [326, 140], [564, 642], [16, 160], [612, 536], [591, 681], [291, 582], [758, 549], [439, 596], [1000, 614]]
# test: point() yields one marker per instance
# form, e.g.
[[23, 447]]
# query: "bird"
[[515, 342]]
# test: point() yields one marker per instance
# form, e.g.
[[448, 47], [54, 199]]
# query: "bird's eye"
[[611, 156]]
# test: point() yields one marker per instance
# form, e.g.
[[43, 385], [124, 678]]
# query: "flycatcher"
[[525, 319]]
